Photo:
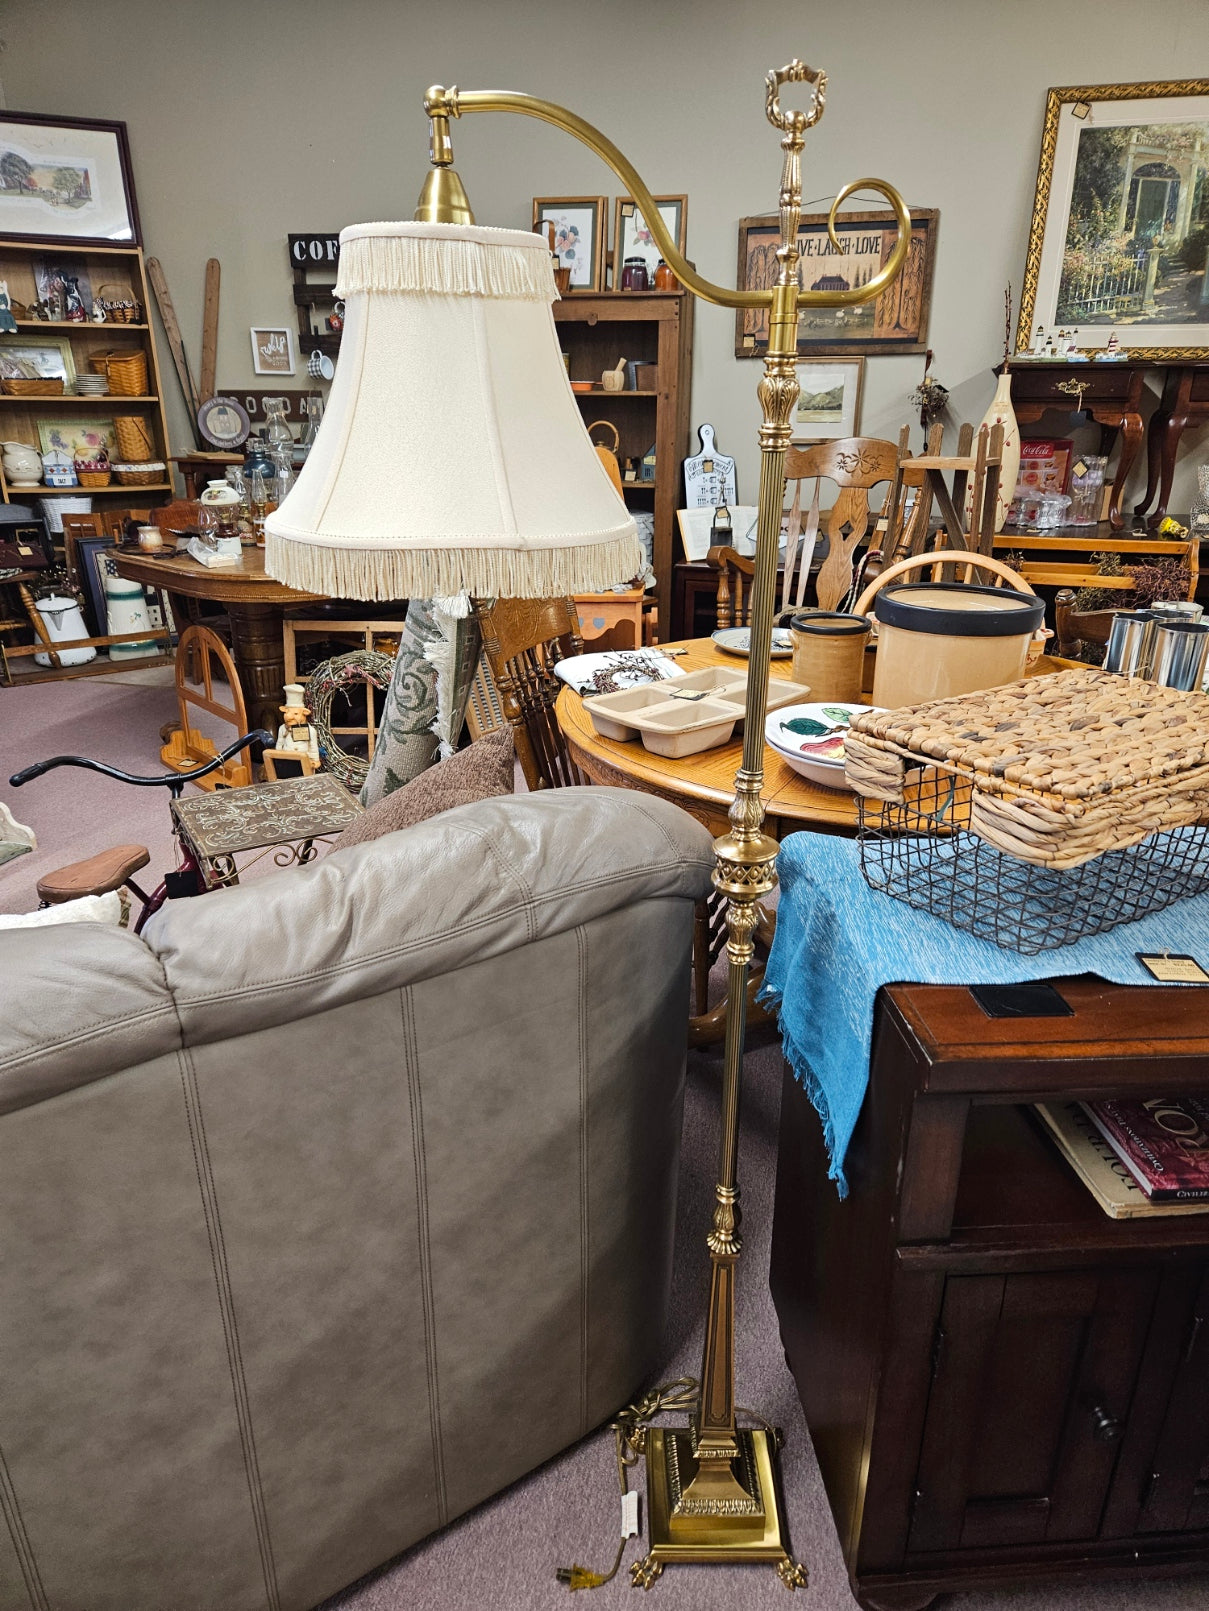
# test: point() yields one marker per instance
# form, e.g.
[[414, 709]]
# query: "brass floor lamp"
[[711, 1486]]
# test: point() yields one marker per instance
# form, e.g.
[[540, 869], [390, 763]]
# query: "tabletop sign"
[[1168, 968], [314, 251], [709, 478]]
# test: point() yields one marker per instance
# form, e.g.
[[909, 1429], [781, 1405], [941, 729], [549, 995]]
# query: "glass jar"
[[276, 432], [1198, 520], [1087, 489], [1051, 510], [634, 275]]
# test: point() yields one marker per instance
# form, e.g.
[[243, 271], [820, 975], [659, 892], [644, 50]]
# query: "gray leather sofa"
[[337, 1204]]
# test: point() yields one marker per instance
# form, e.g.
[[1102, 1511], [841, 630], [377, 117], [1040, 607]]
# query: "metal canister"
[[1181, 649], [1130, 643]]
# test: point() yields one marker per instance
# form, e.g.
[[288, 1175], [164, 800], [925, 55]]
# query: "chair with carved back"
[[523, 640], [855, 464]]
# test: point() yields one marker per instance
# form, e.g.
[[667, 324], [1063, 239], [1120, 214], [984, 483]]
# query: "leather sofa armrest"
[[81, 1000]]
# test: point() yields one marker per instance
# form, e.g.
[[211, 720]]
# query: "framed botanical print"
[[632, 238], [829, 400], [1120, 231], [894, 322], [580, 226], [66, 179]]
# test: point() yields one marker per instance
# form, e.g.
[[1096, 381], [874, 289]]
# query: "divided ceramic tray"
[[683, 716]]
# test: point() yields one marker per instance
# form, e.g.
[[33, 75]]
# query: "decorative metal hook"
[[795, 72]]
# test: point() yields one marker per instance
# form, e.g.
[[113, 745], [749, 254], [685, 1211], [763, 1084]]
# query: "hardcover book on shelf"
[[1163, 1142], [1100, 1169]]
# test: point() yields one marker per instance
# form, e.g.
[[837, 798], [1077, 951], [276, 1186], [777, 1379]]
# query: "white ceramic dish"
[[684, 715], [737, 640], [820, 767]]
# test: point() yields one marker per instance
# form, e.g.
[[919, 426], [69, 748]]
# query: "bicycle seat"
[[95, 876]]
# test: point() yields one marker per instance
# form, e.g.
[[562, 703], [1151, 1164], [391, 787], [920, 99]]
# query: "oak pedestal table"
[[703, 785], [256, 605]]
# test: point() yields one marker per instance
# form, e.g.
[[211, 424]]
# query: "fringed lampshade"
[[452, 457]]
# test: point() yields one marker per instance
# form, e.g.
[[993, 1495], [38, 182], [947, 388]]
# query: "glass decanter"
[[277, 432]]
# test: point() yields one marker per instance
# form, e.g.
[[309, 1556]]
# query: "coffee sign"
[[314, 251]]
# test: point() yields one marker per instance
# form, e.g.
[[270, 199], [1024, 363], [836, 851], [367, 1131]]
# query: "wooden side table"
[[1185, 402], [1109, 393], [1002, 1383]]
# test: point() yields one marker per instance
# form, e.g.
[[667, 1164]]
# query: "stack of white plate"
[[92, 385], [810, 738]]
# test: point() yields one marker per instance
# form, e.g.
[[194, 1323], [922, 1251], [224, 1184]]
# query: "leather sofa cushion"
[[465, 886], [482, 770]]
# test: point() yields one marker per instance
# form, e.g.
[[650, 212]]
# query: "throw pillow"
[[482, 770], [113, 907], [406, 743]]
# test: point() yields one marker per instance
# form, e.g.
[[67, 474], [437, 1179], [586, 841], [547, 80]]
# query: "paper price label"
[[1171, 969]]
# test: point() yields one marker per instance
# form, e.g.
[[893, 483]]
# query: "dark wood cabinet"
[[1001, 1382]]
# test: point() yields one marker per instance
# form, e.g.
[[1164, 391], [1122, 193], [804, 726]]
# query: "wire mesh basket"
[[922, 852], [1040, 812]]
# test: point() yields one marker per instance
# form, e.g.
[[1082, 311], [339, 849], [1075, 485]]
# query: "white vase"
[[1002, 413]]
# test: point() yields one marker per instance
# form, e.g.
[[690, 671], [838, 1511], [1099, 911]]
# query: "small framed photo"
[[66, 179], [829, 402], [272, 351], [632, 238], [580, 228]]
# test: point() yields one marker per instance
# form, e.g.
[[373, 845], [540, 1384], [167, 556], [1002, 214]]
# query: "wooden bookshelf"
[[121, 271], [654, 327]]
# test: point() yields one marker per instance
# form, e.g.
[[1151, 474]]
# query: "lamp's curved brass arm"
[[442, 104]]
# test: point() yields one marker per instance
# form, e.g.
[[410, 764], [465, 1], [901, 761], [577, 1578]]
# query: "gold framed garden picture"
[[895, 322], [1120, 230]]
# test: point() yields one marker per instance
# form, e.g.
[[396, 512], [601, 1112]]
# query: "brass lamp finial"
[[443, 199]]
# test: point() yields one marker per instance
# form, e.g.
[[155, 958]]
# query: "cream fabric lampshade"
[[452, 456]]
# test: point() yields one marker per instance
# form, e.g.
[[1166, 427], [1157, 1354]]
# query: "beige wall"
[[253, 118]]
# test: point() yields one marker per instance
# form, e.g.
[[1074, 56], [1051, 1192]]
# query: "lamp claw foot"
[[645, 1572], [792, 1574]]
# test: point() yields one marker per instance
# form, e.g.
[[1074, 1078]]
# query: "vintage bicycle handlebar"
[[170, 780]]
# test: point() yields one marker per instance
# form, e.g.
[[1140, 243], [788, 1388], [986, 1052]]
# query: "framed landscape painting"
[[829, 399], [1120, 231], [894, 322], [66, 179]]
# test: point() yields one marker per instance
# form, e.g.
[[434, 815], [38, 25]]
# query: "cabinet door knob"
[[1106, 1428]]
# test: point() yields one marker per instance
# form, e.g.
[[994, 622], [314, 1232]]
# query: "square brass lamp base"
[[732, 1540]]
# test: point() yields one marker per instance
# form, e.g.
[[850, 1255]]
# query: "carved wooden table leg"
[[259, 654]]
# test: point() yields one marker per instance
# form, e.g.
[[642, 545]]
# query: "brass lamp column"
[[711, 1486]]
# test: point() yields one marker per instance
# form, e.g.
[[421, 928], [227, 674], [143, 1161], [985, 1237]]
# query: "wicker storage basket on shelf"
[[119, 309], [141, 475], [125, 371], [19, 387], [133, 437], [93, 473]]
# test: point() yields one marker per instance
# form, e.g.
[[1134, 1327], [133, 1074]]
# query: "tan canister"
[[829, 653], [938, 639]]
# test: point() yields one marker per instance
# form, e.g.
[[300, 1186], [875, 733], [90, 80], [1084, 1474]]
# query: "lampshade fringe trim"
[[405, 264], [345, 571]]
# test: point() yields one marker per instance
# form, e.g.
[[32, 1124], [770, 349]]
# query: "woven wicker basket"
[[1058, 769], [133, 438], [94, 478], [19, 387], [141, 475], [126, 371], [121, 309]]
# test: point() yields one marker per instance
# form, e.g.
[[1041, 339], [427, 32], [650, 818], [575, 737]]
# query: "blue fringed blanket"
[[838, 942]]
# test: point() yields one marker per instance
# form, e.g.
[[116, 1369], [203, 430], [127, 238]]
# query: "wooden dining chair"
[[855, 464], [523, 640]]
